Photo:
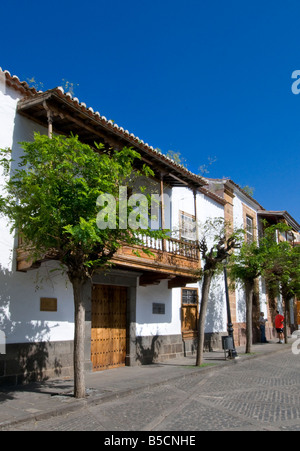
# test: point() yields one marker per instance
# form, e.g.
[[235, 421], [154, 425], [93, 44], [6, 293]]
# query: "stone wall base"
[[152, 349], [240, 333], [31, 362]]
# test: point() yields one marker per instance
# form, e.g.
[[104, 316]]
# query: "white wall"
[[207, 208], [20, 315], [238, 202], [148, 323], [263, 296], [216, 317], [20, 293], [182, 200]]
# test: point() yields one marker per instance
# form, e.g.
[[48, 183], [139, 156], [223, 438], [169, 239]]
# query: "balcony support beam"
[[162, 208], [49, 119], [196, 215]]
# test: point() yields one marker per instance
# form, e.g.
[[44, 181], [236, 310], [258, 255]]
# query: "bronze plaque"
[[48, 305]]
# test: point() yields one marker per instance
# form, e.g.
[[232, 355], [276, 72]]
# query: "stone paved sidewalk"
[[54, 397]]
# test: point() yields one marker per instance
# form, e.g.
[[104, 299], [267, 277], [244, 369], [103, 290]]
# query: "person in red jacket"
[[279, 325]]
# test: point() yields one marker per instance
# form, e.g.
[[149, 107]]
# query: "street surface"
[[253, 395]]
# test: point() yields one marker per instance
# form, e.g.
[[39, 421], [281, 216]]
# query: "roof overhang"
[[231, 187], [276, 216], [68, 115]]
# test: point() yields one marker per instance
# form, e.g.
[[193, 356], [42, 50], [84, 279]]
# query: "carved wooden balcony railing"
[[169, 258]]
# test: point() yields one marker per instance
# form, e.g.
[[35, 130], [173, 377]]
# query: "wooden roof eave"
[[277, 215], [75, 117]]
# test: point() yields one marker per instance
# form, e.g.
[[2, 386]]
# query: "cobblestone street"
[[257, 394]]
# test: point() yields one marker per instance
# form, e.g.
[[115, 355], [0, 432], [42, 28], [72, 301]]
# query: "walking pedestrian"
[[262, 326], [279, 321]]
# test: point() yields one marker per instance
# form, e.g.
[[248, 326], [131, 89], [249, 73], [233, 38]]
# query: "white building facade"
[[143, 310]]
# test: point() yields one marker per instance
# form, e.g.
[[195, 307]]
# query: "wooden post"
[[50, 120], [162, 208], [196, 215], [197, 225]]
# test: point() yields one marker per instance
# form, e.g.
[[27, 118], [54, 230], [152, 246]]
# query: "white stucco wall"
[[238, 202], [182, 200], [20, 315], [170, 323], [207, 208], [20, 293], [149, 324], [263, 297], [216, 317]]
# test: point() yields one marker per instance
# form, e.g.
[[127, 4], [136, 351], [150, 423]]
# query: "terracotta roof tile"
[[28, 91], [14, 81], [121, 131]]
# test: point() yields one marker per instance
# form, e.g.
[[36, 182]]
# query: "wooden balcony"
[[172, 259]]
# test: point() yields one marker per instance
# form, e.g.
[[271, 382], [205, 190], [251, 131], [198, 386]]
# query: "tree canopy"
[[54, 194], [51, 197], [217, 242]]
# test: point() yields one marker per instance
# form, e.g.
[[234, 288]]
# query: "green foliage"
[[176, 156], [277, 262], [67, 85], [203, 169], [246, 264], [249, 190], [35, 84], [217, 243], [282, 263], [51, 197]]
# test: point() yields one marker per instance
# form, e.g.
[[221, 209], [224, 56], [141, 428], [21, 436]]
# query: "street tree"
[[245, 266], [216, 244], [282, 266], [51, 198]]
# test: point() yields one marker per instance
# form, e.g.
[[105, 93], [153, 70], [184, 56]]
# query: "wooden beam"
[[179, 281], [153, 278], [178, 179], [49, 118]]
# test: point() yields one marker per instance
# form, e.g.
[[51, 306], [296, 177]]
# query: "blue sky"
[[208, 79]]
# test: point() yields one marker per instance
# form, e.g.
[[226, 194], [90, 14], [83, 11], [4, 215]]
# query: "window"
[[189, 312], [187, 226], [189, 296], [249, 229]]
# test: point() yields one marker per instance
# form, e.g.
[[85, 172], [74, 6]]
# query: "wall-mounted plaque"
[[48, 305], [158, 309]]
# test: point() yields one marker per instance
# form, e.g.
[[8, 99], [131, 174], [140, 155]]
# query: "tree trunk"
[[201, 329], [79, 336], [249, 286]]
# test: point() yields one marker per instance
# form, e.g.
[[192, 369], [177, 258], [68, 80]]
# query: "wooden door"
[[189, 312], [108, 341], [298, 313]]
